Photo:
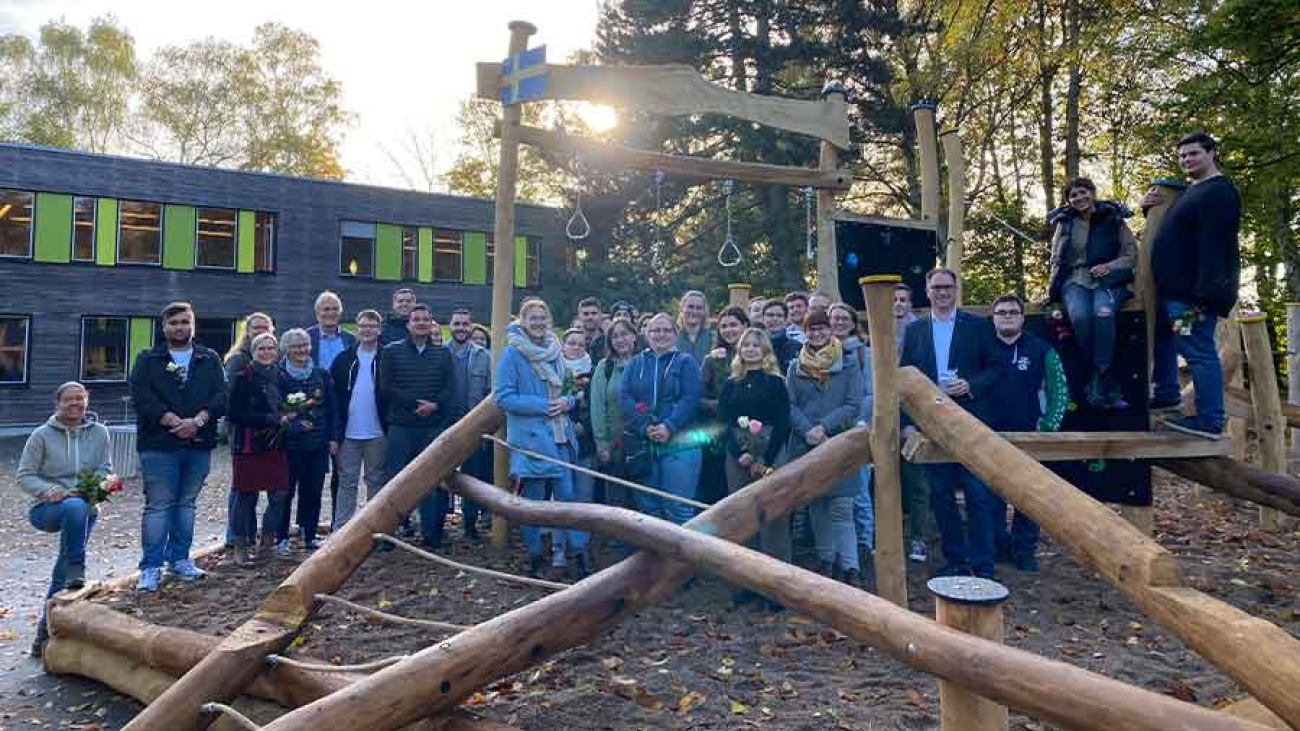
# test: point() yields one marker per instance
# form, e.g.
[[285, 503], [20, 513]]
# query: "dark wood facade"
[[308, 214]]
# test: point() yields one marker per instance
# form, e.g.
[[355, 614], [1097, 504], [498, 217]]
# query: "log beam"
[[682, 166], [1066, 446], [1269, 425], [454, 668], [1240, 480], [890, 560], [1063, 694], [956, 243]]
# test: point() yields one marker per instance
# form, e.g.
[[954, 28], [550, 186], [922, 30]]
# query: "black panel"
[[868, 248]]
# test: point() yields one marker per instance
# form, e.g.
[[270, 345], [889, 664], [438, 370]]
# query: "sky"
[[404, 66]]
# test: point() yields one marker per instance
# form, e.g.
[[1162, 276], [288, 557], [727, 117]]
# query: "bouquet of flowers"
[[175, 370], [1060, 326], [1182, 325], [296, 403], [749, 432], [97, 487], [575, 385]]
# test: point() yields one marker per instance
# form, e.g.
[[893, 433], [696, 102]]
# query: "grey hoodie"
[[55, 454]]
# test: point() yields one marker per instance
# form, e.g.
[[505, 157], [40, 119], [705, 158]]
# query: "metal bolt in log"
[[973, 606]]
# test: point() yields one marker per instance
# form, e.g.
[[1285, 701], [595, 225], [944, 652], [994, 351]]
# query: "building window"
[[215, 333], [264, 242], [139, 232], [83, 228], [215, 238], [533, 260], [357, 249], [410, 254], [13, 349], [104, 348], [447, 256], [16, 222], [491, 248]]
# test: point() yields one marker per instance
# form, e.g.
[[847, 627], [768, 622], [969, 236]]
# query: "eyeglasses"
[[1007, 313], [942, 287]]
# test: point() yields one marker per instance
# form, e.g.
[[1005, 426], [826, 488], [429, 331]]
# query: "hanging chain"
[[657, 253], [578, 228], [729, 255], [808, 194]]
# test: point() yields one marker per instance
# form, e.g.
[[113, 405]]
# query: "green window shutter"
[[474, 261], [106, 232], [139, 337], [388, 252], [178, 237], [426, 255], [53, 228], [521, 261], [349, 327], [244, 260]]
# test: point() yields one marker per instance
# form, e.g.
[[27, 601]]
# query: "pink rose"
[[719, 353], [755, 426]]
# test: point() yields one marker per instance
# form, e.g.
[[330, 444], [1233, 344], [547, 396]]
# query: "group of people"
[[694, 406]]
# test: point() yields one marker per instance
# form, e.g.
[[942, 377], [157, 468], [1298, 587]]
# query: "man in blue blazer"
[[956, 350]]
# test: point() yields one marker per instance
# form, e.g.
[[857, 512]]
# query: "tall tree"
[[191, 106]]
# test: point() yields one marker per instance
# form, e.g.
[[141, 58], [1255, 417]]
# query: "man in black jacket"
[[361, 422], [1196, 265], [179, 391], [395, 323], [415, 378], [956, 350]]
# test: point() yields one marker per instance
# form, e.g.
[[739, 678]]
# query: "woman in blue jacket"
[[660, 397], [310, 442], [530, 388]]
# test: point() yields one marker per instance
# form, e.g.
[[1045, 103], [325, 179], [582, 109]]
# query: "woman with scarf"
[[825, 390], [853, 338], [234, 363], [577, 383], [713, 374], [309, 392], [257, 457], [660, 397], [529, 388], [606, 416], [1093, 255], [754, 407]]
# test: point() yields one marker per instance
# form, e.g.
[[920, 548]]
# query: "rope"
[[466, 567], [364, 667], [240, 719], [386, 617], [599, 475]]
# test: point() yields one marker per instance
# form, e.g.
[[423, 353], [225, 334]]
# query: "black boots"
[[38, 644], [74, 575]]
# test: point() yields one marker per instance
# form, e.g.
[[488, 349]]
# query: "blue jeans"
[[969, 543], [172, 480], [1092, 316], [675, 472], [581, 489], [405, 444], [540, 488], [864, 513], [73, 520], [307, 470], [479, 466], [1203, 360], [1022, 540]]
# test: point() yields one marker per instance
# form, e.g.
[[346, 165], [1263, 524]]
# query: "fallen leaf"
[[739, 708], [689, 701]]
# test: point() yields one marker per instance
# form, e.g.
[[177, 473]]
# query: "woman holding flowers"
[[577, 383], [755, 410], [529, 387], [606, 416], [308, 392], [714, 372], [825, 399], [65, 469], [257, 457]]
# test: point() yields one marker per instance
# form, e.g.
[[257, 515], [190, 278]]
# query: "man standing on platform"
[[415, 383], [179, 391], [328, 341], [955, 349], [395, 323], [1196, 266], [471, 382], [1033, 368]]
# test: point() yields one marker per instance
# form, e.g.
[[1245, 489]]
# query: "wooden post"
[[973, 606], [956, 244], [923, 116], [1231, 359], [891, 563], [829, 161], [1293, 373], [503, 261], [1144, 287], [1269, 425], [738, 296]]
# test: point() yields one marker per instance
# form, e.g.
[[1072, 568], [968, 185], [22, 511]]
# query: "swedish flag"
[[523, 76]]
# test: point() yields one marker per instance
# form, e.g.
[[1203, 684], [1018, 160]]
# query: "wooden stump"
[[738, 296], [973, 606], [1269, 425]]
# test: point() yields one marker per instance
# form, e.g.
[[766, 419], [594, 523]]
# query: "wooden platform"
[[1068, 446]]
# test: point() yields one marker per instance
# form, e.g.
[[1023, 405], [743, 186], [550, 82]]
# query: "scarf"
[[817, 364], [542, 359], [578, 366], [268, 378], [302, 373]]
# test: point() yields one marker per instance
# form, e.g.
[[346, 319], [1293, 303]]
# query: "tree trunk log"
[[1241, 480], [1061, 693], [239, 658], [1260, 656], [453, 669], [1270, 428]]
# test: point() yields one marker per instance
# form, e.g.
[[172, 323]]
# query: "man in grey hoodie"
[[53, 458]]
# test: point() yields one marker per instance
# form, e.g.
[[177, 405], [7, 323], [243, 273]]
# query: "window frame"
[[234, 239], [374, 237], [414, 231], [126, 350], [94, 214], [460, 256], [31, 228], [27, 350], [489, 256], [162, 234], [532, 257], [272, 244]]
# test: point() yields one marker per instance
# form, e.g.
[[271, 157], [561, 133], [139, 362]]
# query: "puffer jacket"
[[55, 455]]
